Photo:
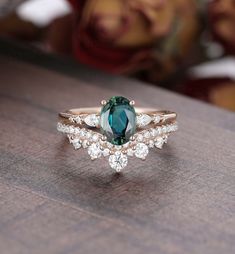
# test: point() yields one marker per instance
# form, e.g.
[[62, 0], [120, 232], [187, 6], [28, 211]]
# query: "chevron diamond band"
[[117, 130]]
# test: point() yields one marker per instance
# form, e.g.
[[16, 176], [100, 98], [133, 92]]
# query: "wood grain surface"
[[55, 200]]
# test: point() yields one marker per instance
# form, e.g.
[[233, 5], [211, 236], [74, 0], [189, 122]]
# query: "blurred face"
[[223, 19], [130, 23]]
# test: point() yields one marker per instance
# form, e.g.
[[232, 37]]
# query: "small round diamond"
[[130, 152], [157, 119], [76, 119], [106, 152], [141, 151], [151, 143], [83, 133], [147, 134], [118, 161], [88, 135], [153, 132], [85, 143], [76, 143], [76, 130], [94, 151], [164, 129], [95, 137], [139, 137], [59, 127], [159, 142], [71, 130]]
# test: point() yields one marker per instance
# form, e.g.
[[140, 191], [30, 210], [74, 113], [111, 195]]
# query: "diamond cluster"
[[97, 145], [92, 120]]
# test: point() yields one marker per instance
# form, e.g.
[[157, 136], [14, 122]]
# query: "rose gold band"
[[167, 116]]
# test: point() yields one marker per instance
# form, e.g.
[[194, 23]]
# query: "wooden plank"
[[55, 200]]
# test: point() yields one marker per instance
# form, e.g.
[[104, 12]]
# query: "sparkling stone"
[[66, 129], [159, 142], [88, 135], [175, 127], [147, 134], [141, 151], [126, 145], [71, 130], [165, 138], [92, 120], [95, 137], [83, 133], [77, 120], [59, 127], [85, 143], [76, 130], [71, 138], [118, 120], [151, 143], [76, 143], [106, 152], [109, 145], [118, 161], [164, 129], [157, 119], [130, 152], [153, 132], [170, 128], [158, 131], [118, 147], [143, 120], [94, 151], [139, 137]]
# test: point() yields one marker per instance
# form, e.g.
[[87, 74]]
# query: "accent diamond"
[[94, 151], [157, 119], [76, 143], [151, 143], [141, 151], [147, 134], [76, 119], [139, 137], [118, 161], [85, 143], [130, 152], [159, 142], [95, 137], [143, 120], [92, 120], [106, 152]]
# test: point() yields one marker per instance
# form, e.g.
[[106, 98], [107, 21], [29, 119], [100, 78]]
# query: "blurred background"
[[187, 46]]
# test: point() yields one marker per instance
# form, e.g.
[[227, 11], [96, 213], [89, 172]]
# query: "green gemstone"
[[118, 120]]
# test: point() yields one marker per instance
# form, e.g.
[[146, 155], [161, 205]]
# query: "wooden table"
[[55, 200]]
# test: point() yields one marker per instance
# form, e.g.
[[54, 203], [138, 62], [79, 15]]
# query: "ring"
[[117, 130]]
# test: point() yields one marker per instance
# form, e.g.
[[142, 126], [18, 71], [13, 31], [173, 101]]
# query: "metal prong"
[[103, 102], [132, 138], [132, 103], [103, 138]]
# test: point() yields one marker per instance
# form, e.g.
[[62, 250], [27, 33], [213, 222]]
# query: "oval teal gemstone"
[[118, 120]]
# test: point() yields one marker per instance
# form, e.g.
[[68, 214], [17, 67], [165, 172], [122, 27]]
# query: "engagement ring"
[[117, 130]]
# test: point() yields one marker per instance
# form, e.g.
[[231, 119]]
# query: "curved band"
[[83, 129]]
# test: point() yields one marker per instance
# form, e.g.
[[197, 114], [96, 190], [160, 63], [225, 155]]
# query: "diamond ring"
[[117, 130]]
